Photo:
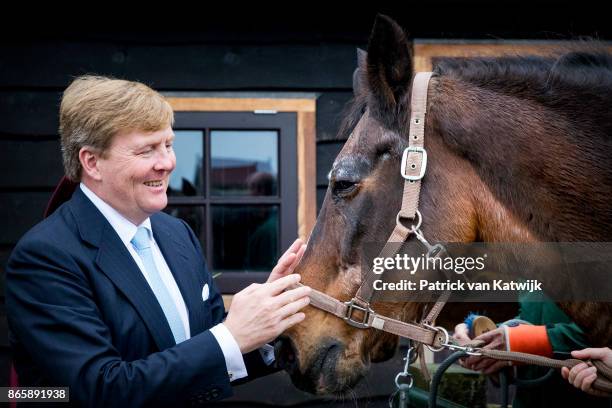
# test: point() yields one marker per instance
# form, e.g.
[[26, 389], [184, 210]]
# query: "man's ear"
[[89, 159]]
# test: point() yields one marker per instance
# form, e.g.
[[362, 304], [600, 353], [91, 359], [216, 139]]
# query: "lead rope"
[[603, 383]]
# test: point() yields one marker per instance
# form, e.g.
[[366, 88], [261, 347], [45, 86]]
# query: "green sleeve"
[[565, 337], [563, 333]]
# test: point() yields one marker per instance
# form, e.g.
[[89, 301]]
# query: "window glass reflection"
[[244, 162], [186, 179], [245, 237], [192, 215]]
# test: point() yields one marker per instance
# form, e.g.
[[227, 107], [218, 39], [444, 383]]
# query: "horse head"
[[462, 199]]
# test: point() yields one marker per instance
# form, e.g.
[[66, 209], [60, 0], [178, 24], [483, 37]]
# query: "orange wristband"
[[529, 339]]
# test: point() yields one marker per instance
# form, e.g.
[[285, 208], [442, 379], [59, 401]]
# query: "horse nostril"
[[285, 354]]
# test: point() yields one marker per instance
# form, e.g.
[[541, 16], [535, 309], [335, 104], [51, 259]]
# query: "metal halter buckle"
[[414, 149], [363, 322]]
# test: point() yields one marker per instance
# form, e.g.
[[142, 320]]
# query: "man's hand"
[[259, 313], [287, 263], [582, 376], [493, 340]]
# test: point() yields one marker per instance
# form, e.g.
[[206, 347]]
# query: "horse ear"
[[362, 58], [389, 62], [359, 73]]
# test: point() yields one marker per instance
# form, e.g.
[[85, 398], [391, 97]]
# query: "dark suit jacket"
[[81, 314]]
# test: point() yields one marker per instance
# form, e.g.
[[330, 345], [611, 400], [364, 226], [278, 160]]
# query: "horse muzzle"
[[324, 371]]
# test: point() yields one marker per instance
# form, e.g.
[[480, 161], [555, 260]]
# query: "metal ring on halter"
[[403, 374], [443, 343], [413, 228]]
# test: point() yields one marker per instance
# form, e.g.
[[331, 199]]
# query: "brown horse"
[[519, 151]]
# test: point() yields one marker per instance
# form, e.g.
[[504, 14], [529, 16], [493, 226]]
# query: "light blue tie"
[[142, 244]]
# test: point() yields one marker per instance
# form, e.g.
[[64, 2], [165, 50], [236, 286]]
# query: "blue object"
[[142, 244], [469, 320]]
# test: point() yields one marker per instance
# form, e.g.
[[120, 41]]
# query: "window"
[[236, 185]]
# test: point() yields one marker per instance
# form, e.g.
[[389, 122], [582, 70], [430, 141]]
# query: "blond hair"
[[94, 109]]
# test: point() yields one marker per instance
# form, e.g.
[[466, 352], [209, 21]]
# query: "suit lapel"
[[117, 264], [184, 270]]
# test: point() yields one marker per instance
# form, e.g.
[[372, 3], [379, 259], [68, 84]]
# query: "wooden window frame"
[[305, 110], [425, 50]]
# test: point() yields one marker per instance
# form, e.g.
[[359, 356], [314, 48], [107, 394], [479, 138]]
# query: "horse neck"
[[519, 150]]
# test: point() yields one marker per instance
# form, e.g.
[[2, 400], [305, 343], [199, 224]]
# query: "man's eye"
[[169, 146]]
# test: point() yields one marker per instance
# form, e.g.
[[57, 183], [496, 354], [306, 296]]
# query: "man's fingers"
[[294, 248], [292, 320], [296, 245], [293, 307], [287, 266], [289, 256], [284, 262], [251, 288], [282, 268], [292, 295], [279, 285], [288, 262], [298, 258]]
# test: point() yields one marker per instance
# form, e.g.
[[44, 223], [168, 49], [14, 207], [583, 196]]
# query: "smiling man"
[[111, 297]]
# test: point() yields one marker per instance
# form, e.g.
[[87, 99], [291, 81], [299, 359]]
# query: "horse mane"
[[533, 75], [562, 83]]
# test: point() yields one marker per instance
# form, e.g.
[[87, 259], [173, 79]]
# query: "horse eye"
[[343, 187]]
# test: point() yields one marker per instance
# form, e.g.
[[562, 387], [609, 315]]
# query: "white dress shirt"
[[126, 230]]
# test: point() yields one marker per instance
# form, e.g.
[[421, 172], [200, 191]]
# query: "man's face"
[[135, 171]]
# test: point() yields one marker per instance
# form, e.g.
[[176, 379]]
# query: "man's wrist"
[[234, 361]]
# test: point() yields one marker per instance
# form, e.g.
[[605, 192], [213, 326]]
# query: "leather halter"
[[413, 168]]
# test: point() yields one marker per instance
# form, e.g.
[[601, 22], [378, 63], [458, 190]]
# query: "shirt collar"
[[122, 226]]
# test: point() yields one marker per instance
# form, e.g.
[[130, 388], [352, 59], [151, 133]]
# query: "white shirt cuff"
[[267, 353], [233, 357]]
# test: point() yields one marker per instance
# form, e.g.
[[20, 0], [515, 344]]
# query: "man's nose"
[[165, 161]]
